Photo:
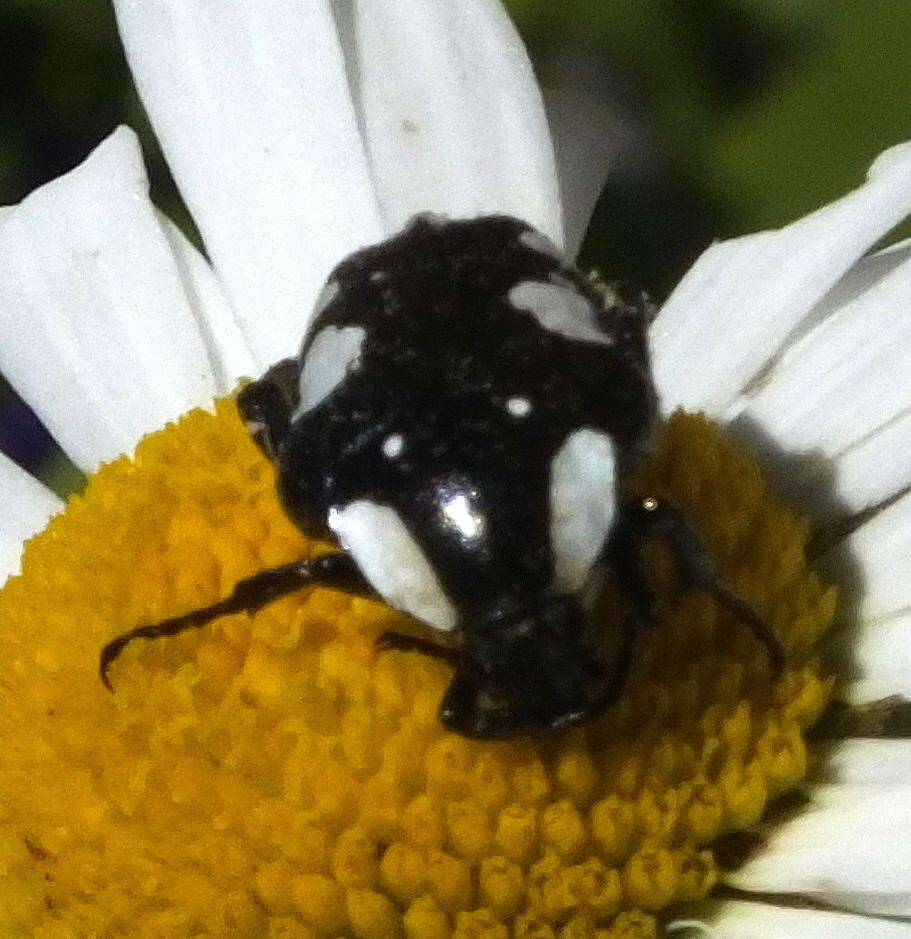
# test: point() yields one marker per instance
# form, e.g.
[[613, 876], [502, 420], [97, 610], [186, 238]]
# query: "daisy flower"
[[272, 774]]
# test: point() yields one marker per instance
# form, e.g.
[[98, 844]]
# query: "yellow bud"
[[698, 874], [282, 927], [502, 885], [354, 858], [650, 878], [321, 902], [704, 814], [488, 782], [403, 871], [613, 823], [528, 927], [577, 775], [423, 822], [598, 887], [479, 924], [562, 829], [449, 881], [372, 916], [273, 885], [529, 782], [744, 793], [517, 832], [425, 920], [447, 765], [469, 829], [631, 925]]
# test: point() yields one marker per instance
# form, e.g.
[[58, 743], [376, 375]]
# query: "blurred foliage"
[[736, 115]]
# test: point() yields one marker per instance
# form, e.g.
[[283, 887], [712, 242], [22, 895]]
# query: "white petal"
[[229, 354], [869, 271], [27, 505], [251, 104], [96, 332], [868, 762], [739, 919], [842, 382], [850, 847], [848, 376], [881, 656], [880, 551], [877, 466], [743, 298], [586, 138], [454, 119]]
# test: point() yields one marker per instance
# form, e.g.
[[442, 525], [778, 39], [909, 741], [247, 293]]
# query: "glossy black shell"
[[445, 349]]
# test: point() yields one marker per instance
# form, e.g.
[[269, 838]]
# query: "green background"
[[735, 115]]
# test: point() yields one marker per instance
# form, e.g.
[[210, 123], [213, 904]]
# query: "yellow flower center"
[[275, 775]]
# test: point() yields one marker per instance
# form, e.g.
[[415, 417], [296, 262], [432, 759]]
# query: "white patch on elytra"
[[392, 446], [334, 352], [582, 504], [518, 406], [540, 243], [392, 561], [560, 308]]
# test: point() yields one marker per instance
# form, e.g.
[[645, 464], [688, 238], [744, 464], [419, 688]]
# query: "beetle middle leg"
[[622, 553], [327, 570], [654, 518]]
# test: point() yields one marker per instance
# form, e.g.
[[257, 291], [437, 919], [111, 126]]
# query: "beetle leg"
[[267, 405], [653, 517], [400, 642], [328, 570], [622, 553]]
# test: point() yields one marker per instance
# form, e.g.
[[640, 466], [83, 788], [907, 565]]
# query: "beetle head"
[[534, 675]]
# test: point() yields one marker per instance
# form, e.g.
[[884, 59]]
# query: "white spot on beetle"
[[518, 406], [334, 352], [393, 446], [559, 308], [540, 243], [582, 504], [377, 277], [392, 561]]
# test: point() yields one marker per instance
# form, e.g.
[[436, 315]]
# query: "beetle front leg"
[[401, 642], [266, 405], [652, 517], [328, 570]]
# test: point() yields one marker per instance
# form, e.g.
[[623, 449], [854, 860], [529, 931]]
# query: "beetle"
[[461, 419]]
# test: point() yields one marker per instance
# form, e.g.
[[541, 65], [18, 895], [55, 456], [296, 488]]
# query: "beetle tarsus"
[[749, 616]]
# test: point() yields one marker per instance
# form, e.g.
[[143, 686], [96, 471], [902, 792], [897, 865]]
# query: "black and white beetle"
[[461, 418]]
